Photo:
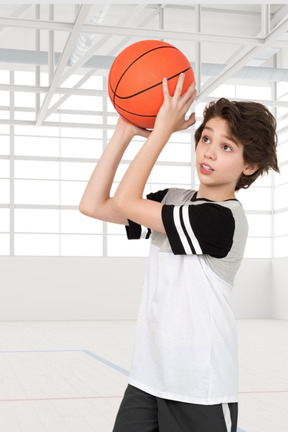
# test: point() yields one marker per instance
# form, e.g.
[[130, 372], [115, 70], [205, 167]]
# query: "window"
[[41, 184]]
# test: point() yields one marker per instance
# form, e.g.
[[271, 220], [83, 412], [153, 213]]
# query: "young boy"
[[184, 370]]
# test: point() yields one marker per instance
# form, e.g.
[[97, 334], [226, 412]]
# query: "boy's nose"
[[210, 153]]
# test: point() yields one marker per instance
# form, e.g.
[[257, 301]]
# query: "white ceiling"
[[221, 41]]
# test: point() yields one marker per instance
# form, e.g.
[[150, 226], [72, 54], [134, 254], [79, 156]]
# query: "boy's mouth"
[[206, 169]]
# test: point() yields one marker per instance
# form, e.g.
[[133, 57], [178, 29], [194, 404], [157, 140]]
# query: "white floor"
[[70, 376]]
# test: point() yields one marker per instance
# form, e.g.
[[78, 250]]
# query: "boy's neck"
[[215, 194]]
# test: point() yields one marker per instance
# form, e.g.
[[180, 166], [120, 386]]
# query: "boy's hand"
[[171, 116], [130, 129]]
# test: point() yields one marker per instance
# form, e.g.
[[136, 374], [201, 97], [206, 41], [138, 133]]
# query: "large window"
[[44, 170]]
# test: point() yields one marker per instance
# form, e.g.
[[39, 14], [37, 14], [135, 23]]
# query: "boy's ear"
[[250, 169]]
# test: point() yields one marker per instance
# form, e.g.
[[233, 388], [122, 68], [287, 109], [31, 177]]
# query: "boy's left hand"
[[171, 116]]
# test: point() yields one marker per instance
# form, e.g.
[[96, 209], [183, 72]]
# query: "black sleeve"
[[135, 231], [157, 196], [199, 229]]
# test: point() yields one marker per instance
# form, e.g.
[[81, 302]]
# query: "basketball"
[[135, 79]]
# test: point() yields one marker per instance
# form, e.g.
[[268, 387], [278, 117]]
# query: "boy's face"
[[219, 159]]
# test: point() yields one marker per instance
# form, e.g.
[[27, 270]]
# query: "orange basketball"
[[135, 79]]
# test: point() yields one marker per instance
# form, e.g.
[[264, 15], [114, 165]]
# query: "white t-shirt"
[[186, 339]]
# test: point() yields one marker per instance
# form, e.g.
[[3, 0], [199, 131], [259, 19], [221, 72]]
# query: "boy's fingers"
[[190, 92], [188, 101], [189, 122], [165, 87], [192, 119], [179, 85]]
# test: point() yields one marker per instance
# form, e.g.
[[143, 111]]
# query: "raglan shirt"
[[186, 338]]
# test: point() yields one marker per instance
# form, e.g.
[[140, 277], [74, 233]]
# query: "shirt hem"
[[184, 398]]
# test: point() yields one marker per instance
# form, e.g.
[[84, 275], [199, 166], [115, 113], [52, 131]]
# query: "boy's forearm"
[[133, 183], [97, 192]]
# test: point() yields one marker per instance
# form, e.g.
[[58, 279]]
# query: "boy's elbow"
[[87, 210], [119, 205], [104, 211], [83, 209], [125, 207]]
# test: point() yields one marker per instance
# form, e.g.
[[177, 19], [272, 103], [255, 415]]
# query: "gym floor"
[[70, 376]]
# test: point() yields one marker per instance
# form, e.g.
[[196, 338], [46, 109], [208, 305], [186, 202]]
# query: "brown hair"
[[254, 127]]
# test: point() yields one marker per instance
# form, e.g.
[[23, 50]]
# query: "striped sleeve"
[[199, 229], [135, 231]]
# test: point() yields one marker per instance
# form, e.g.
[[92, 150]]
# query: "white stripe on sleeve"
[[190, 230], [144, 232], [180, 231], [227, 416]]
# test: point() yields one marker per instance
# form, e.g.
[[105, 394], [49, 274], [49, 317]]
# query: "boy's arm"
[[96, 201], [128, 199]]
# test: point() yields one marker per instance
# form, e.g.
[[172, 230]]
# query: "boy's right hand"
[[130, 129]]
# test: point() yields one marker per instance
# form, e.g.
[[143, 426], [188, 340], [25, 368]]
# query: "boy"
[[184, 369]]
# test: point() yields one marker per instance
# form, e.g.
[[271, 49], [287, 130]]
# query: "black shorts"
[[142, 412]]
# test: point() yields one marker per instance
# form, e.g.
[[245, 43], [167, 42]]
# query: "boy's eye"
[[227, 148], [205, 139]]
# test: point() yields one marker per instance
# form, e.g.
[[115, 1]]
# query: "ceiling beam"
[[36, 24], [279, 15], [163, 34], [131, 31], [56, 124], [241, 60], [136, 32], [87, 56], [102, 64], [100, 42], [41, 89], [178, 35], [18, 12], [80, 19]]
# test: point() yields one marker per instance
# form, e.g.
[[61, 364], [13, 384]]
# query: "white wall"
[[253, 289], [69, 288], [280, 288], [64, 288]]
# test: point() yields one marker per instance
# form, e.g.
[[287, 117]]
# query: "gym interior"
[[71, 285]]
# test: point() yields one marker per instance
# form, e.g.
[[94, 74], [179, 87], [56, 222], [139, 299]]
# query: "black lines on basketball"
[[135, 79], [153, 86], [133, 62]]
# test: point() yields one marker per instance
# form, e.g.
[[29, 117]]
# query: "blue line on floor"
[[106, 362], [91, 354]]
